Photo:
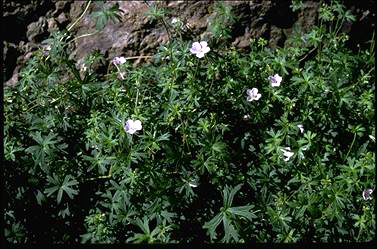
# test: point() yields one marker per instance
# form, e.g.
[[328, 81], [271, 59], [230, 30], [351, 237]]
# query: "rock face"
[[139, 35]]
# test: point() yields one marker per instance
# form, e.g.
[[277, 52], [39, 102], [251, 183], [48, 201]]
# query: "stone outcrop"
[[139, 35]]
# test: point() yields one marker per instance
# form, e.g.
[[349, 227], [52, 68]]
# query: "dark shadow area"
[[281, 15]]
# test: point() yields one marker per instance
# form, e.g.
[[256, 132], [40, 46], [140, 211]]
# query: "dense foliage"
[[209, 164]]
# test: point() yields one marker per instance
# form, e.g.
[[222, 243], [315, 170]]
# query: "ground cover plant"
[[205, 144]]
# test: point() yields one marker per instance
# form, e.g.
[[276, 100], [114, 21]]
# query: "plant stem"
[[85, 35], [87, 6], [137, 57], [354, 138], [360, 230], [137, 96]]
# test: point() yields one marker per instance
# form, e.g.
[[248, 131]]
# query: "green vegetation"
[[209, 164]]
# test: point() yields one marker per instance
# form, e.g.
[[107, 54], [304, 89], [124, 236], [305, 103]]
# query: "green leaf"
[[65, 186], [218, 147], [65, 212], [229, 195], [244, 211], [60, 195], [212, 225], [229, 230], [51, 190], [164, 137], [40, 197]]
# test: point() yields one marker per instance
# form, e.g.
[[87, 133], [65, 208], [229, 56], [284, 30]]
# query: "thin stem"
[[307, 54], [354, 138], [340, 26], [68, 29], [163, 21], [137, 96], [372, 43], [31, 108], [99, 177], [137, 57], [360, 230], [210, 87], [87, 6], [166, 27], [102, 177], [85, 35], [121, 74]]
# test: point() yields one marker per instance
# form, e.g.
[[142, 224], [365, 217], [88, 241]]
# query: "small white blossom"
[[367, 194], [287, 153], [200, 49], [301, 127], [275, 80], [83, 68], [252, 94], [119, 60], [174, 20], [246, 117], [132, 126]]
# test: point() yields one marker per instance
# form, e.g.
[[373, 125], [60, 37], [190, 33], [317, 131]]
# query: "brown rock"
[[36, 29], [62, 18], [52, 25], [138, 34]]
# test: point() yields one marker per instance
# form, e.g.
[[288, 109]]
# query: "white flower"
[[199, 49], [174, 20], [83, 68], [246, 117], [275, 80], [119, 60], [287, 153], [253, 94], [367, 194], [132, 126], [301, 127]]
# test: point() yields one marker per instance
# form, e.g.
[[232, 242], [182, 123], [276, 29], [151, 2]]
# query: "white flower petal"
[[193, 51], [137, 125], [132, 126], [119, 60], [196, 47], [200, 55], [174, 20], [203, 44], [254, 91], [206, 49], [275, 80], [367, 194], [200, 49], [275, 84], [278, 78]]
